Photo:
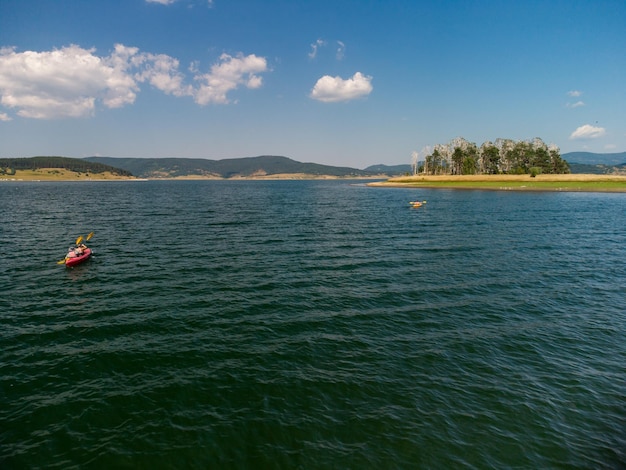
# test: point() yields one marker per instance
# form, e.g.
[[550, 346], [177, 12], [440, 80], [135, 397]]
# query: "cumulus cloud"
[[574, 93], [332, 89], [62, 83], [228, 74], [587, 131], [69, 82], [161, 71]]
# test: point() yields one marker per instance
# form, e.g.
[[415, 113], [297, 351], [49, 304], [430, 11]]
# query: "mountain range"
[[596, 163], [261, 166], [268, 165], [265, 166]]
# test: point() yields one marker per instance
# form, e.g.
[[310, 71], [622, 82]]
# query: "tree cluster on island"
[[503, 156]]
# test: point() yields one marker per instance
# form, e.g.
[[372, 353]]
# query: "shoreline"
[[563, 182], [60, 175]]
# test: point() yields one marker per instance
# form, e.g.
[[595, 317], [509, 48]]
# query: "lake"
[[311, 324]]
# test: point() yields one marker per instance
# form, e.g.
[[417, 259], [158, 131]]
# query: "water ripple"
[[312, 325]]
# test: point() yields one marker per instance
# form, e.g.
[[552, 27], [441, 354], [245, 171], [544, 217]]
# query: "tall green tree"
[[490, 159], [457, 161]]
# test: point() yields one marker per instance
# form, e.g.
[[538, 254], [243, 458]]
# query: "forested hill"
[[267, 165], [391, 170], [8, 166], [596, 163]]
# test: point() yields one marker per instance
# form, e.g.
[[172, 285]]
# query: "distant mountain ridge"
[[266, 165], [596, 163], [589, 158], [390, 169]]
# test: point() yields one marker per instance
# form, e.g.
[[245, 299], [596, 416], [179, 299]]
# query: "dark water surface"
[[311, 325]]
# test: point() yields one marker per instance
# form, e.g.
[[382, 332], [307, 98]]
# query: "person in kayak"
[[75, 251]]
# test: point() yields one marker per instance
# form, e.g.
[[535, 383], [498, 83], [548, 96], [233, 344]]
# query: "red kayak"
[[73, 258]]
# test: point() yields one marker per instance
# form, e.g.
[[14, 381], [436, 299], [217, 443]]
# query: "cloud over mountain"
[[587, 131]]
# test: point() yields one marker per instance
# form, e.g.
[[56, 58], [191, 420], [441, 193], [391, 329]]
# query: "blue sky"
[[346, 83]]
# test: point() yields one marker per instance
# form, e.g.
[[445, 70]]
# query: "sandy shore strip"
[[569, 182]]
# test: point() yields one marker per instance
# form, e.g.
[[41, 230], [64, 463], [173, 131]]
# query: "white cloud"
[[587, 132], [317, 44], [63, 82], [69, 82], [332, 89], [578, 104], [575, 93], [161, 71], [227, 75], [5, 117]]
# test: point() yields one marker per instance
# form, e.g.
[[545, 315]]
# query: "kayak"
[[72, 259], [77, 253]]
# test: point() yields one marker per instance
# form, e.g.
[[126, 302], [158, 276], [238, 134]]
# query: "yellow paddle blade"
[[62, 261], [89, 236], [79, 239]]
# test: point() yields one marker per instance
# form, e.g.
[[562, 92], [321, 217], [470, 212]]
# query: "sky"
[[344, 83]]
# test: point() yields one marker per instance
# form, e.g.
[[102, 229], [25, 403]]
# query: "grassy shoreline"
[[61, 174], [571, 182], [568, 183]]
